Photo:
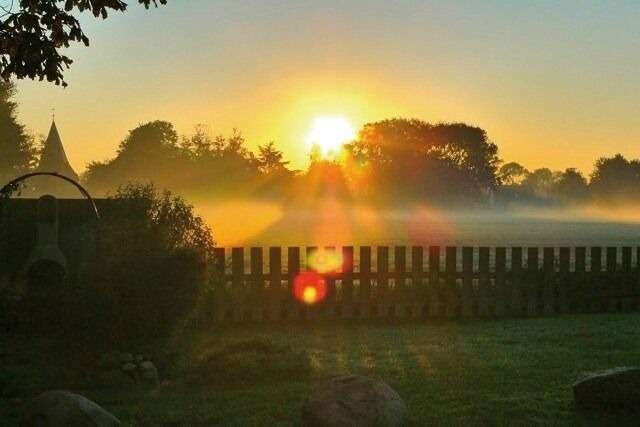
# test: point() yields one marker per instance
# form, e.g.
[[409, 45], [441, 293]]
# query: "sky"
[[553, 83]]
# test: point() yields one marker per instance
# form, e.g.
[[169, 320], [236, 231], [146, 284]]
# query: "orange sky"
[[553, 84]]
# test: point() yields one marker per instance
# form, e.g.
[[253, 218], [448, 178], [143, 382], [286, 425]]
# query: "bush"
[[150, 266]]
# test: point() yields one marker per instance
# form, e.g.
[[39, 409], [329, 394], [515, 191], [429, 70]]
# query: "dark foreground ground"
[[507, 372]]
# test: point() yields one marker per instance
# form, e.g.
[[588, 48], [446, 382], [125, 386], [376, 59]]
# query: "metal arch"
[[82, 190]]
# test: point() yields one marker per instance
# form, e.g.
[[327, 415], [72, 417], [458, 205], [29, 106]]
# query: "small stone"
[[126, 358], [139, 358], [149, 373], [62, 408], [129, 367], [131, 370], [147, 366]]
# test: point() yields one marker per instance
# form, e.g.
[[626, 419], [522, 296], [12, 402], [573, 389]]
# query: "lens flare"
[[324, 261], [310, 295], [310, 287]]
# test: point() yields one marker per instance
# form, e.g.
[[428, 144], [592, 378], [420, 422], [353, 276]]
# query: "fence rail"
[[425, 282]]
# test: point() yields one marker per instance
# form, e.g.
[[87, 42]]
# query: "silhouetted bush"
[[150, 267]]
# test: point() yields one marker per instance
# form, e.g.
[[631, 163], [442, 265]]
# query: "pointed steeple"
[[53, 157]]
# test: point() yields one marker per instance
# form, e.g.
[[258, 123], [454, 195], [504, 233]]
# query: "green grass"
[[501, 372]]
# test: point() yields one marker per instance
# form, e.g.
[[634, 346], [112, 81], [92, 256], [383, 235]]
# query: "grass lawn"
[[498, 372]]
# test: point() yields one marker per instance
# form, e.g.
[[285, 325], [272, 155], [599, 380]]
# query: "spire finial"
[[53, 114]]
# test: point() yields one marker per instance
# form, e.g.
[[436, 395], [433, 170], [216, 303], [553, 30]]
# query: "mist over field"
[[245, 222]]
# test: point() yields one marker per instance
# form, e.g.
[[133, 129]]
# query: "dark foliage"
[[152, 265], [194, 165], [441, 162], [17, 148], [32, 37], [616, 178]]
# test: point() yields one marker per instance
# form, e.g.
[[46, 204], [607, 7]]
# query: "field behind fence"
[[256, 284]]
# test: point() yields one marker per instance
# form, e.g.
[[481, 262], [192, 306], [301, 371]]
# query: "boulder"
[[62, 408], [611, 389], [353, 401]]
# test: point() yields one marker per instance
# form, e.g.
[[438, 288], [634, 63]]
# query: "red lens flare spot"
[[310, 287]]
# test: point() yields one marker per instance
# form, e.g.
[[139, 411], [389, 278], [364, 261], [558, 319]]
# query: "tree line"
[[393, 160]]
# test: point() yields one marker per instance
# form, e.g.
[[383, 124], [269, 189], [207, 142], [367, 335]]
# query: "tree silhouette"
[[409, 157], [571, 186], [17, 148], [512, 173], [32, 37], [616, 177], [149, 153], [270, 159], [540, 182]]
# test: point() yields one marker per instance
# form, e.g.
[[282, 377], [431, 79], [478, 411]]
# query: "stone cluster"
[[121, 368]]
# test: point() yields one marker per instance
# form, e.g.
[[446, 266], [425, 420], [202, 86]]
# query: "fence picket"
[[500, 288], [532, 281], [382, 288], [613, 284], [435, 290], [580, 285], [237, 283], [400, 281], [220, 294], [516, 282], [293, 270], [310, 312], [595, 280], [418, 289], [627, 279], [346, 300], [275, 283], [467, 282], [256, 293], [549, 287], [451, 291], [564, 281], [329, 306], [365, 282], [484, 283]]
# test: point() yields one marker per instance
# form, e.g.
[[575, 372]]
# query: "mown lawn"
[[499, 372]]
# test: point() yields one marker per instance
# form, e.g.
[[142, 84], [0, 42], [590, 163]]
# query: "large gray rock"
[[61, 408], [612, 389], [353, 401]]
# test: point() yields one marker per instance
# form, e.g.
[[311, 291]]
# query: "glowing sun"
[[329, 134]]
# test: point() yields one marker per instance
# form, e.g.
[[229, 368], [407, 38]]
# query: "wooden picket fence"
[[419, 282]]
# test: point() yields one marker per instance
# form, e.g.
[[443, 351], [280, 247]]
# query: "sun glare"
[[329, 134]]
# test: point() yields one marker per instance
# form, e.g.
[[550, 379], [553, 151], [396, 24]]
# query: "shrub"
[[150, 266]]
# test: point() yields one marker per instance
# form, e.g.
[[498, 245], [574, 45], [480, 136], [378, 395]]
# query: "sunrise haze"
[[553, 84]]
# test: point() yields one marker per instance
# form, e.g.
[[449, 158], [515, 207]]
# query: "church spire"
[[53, 157]]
